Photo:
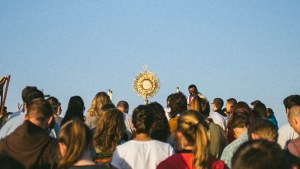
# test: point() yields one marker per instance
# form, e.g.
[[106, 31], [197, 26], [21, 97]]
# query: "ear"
[[254, 136], [295, 120], [50, 120], [26, 117]]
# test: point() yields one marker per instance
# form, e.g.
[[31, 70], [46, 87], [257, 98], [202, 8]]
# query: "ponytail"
[[193, 128], [201, 148]]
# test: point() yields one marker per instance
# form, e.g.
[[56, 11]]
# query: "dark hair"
[[240, 120], [192, 86], [231, 101], [242, 107], [292, 100], [142, 119], [123, 103], [218, 102], [178, 104], [75, 109], [259, 154], [205, 106], [160, 129], [54, 103], [264, 129], [255, 102], [25, 91], [40, 107], [261, 108], [31, 94]]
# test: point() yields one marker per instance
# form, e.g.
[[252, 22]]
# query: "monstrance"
[[146, 84]]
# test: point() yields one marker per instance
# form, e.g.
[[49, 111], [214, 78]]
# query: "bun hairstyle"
[[194, 129], [142, 119]]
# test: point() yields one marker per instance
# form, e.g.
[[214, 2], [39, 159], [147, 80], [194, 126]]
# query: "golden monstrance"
[[146, 84]]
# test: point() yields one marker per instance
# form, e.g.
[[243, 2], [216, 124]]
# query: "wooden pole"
[[5, 94]]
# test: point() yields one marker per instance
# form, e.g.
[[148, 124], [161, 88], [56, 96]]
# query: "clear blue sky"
[[243, 49]]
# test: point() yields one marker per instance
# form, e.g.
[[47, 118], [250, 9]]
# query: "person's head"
[[239, 123], [123, 106], [262, 129], [242, 107], [229, 106], [55, 104], [255, 102], [30, 93], [109, 130], [217, 104], [290, 101], [25, 91], [75, 109], [40, 113], [259, 154], [294, 118], [142, 119], [261, 108], [160, 129], [168, 99], [191, 132], [99, 100], [193, 89], [74, 140], [178, 104]]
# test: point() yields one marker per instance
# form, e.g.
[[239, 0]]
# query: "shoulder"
[[294, 143], [218, 164]]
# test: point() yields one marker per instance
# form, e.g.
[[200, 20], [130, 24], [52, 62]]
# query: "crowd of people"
[[189, 133]]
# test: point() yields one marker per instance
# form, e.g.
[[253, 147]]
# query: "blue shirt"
[[232, 147]]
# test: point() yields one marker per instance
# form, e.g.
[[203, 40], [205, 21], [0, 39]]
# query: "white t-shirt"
[[141, 154], [285, 134]]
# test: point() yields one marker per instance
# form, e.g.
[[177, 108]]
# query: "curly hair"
[[178, 104], [99, 100], [110, 130]]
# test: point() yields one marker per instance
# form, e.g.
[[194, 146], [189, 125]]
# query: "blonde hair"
[[99, 100], [195, 104], [76, 136], [192, 127]]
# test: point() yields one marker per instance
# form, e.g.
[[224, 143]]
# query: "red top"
[[185, 161]]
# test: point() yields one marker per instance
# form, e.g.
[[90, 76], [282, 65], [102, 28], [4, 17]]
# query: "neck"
[[85, 160], [142, 137]]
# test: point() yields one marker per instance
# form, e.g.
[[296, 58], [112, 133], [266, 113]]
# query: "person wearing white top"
[[142, 151], [217, 115], [286, 133]]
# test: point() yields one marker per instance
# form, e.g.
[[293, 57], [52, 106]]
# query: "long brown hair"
[[76, 136], [110, 130]]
